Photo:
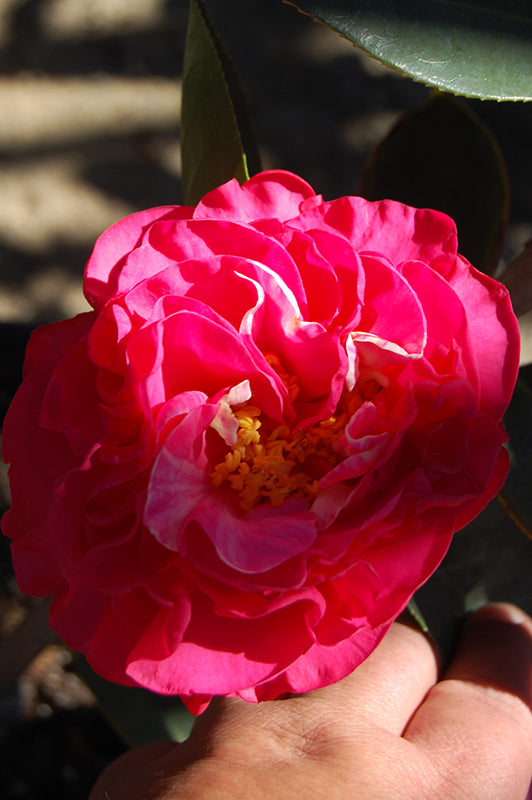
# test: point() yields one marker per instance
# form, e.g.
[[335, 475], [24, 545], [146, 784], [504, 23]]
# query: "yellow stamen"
[[270, 467]]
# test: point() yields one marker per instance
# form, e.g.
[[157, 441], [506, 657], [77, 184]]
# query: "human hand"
[[389, 731]]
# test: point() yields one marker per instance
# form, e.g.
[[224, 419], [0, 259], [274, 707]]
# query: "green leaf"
[[477, 49], [442, 156], [216, 142], [138, 716], [417, 617]]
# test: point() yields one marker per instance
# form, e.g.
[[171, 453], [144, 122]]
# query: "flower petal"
[[103, 267], [275, 193]]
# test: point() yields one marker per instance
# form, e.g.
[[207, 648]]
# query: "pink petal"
[[260, 539], [103, 268], [180, 491], [201, 239], [228, 281], [275, 193], [319, 278], [388, 228], [71, 403], [495, 333], [447, 320], [175, 408], [349, 273], [112, 326], [225, 423], [305, 349], [391, 310], [142, 264], [211, 357], [220, 655], [179, 479], [47, 340]]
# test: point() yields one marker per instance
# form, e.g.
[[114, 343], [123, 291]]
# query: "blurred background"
[[89, 132]]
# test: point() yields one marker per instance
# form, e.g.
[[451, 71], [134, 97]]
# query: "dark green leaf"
[[216, 142], [441, 156], [139, 716], [481, 49]]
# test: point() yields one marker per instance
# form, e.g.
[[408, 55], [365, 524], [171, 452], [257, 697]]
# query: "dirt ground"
[[89, 132]]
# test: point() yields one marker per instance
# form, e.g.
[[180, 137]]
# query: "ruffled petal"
[[494, 331], [103, 268], [338, 360], [388, 228], [275, 193]]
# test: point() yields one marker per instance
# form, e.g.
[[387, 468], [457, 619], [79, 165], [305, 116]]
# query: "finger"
[[477, 722], [386, 689]]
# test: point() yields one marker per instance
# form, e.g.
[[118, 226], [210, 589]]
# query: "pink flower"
[[234, 472]]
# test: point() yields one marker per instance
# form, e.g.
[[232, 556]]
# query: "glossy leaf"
[[216, 143], [481, 49], [442, 156]]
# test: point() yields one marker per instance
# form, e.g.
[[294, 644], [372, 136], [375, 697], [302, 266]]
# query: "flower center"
[[271, 467], [270, 464]]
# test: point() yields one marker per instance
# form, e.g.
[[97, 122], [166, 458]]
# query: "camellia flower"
[[233, 473]]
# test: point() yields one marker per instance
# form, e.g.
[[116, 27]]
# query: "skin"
[[393, 730]]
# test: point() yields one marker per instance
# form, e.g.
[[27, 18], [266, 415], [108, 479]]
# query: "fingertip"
[[477, 723], [503, 612], [496, 651]]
